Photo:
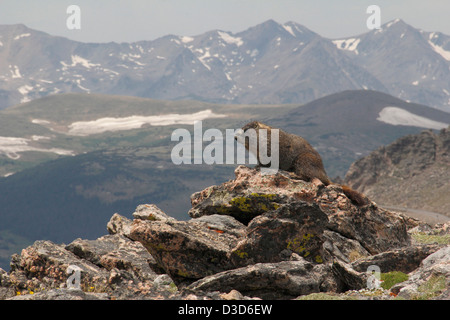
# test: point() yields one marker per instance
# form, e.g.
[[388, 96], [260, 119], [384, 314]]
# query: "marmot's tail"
[[356, 197]]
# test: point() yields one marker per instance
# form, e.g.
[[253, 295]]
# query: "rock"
[[258, 218], [187, 250], [44, 265], [297, 227], [404, 259], [112, 267], [162, 280], [430, 281], [349, 279], [151, 212], [376, 230], [247, 196], [282, 280], [6, 286], [63, 294], [223, 223], [115, 252], [341, 248], [232, 295], [119, 225], [284, 213]]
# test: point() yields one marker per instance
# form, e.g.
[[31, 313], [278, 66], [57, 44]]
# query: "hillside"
[[342, 127], [269, 63], [412, 172], [75, 123]]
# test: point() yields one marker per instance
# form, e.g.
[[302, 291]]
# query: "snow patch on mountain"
[[77, 60], [438, 49], [204, 57], [347, 44], [12, 146], [401, 117], [391, 23], [85, 128], [186, 39], [15, 72], [40, 121], [24, 90], [289, 29], [24, 35], [230, 39]]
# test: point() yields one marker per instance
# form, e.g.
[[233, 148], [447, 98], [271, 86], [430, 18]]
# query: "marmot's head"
[[255, 125], [244, 134], [263, 142]]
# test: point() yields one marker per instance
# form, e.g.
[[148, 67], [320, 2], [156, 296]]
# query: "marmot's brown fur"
[[298, 156]]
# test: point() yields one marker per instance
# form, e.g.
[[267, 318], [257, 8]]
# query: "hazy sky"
[[134, 20]]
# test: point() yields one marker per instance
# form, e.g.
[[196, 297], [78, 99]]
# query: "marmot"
[[298, 156]]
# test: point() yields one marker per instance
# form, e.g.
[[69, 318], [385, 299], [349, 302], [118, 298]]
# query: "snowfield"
[[85, 128], [440, 50], [186, 39], [40, 121], [347, 44], [11, 147], [24, 35], [400, 117], [230, 39], [79, 60]]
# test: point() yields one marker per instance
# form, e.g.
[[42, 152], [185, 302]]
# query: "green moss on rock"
[[391, 278]]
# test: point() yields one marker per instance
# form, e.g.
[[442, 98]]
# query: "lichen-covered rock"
[[317, 222], [111, 267], [44, 266], [188, 250], [297, 227], [63, 294], [257, 218], [250, 194]]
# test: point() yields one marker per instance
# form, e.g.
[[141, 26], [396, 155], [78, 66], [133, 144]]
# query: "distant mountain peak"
[[396, 25], [267, 63], [396, 21], [268, 27], [270, 24], [297, 30]]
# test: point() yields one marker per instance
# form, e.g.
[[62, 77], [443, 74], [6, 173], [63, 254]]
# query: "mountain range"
[[270, 63]]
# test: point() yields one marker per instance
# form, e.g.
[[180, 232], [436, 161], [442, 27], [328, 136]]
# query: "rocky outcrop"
[[112, 265], [412, 172], [256, 236]]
